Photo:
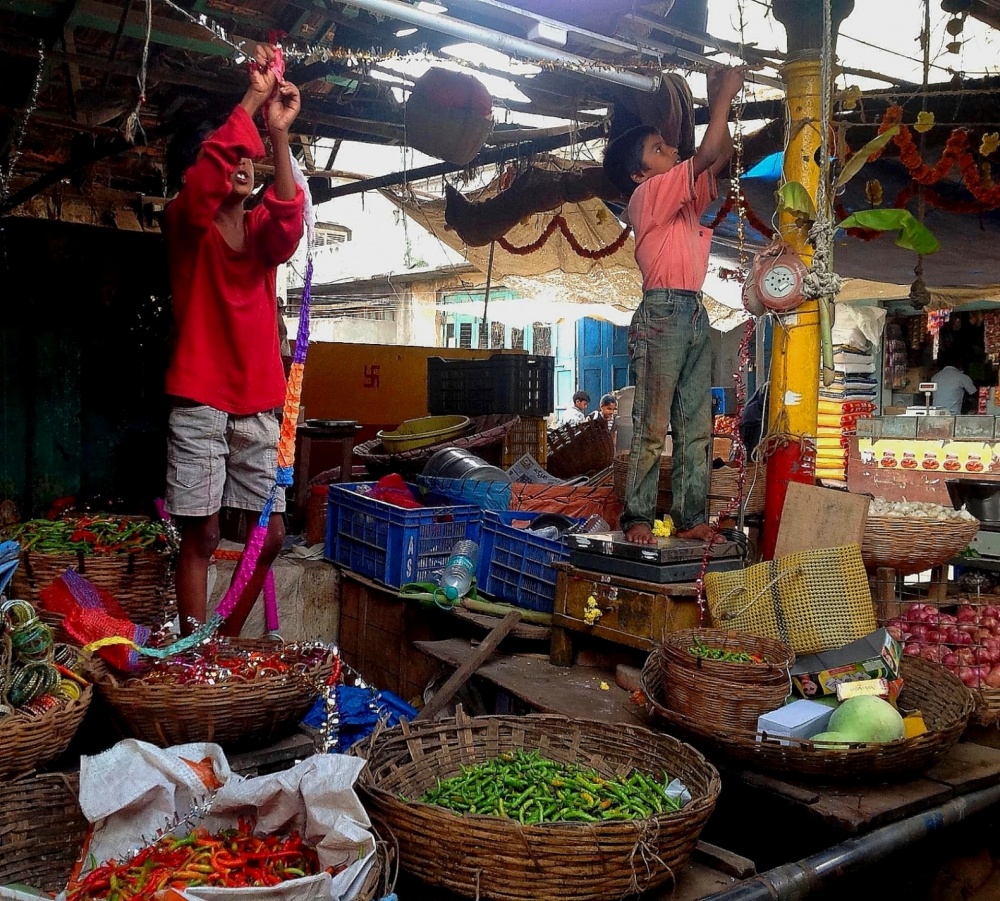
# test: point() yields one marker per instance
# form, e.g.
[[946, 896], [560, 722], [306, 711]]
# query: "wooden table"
[[342, 434]]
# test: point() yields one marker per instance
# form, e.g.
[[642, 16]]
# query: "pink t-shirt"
[[671, 245]]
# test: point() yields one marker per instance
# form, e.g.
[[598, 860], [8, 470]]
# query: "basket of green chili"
[[537, 807], [128, 556], [721, 678]]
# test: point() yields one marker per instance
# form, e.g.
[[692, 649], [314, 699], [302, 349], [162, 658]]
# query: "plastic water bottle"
[[456, 577]]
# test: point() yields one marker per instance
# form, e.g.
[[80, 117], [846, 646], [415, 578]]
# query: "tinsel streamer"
[[195, 813], [7, 172], [286, 453], [330, 731]]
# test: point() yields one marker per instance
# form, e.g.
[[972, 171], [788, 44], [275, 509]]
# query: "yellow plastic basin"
[[417, 433]]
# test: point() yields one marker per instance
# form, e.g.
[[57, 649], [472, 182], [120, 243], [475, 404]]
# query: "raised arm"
[[717, 144]]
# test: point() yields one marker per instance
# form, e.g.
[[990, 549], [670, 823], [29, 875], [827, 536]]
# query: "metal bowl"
[[981, 497]]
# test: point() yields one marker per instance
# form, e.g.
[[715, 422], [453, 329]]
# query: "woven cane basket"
[[231, 713], [142, 583], [723, 696], [29, 742], [490, 857], [723, 485], [578, 448], [486, 437], [911, 545], [946, 705], [41, 829]]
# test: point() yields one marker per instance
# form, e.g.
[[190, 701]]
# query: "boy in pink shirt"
[[668, 339]]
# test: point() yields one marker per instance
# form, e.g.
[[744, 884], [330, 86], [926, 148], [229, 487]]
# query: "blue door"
[[602, 363]]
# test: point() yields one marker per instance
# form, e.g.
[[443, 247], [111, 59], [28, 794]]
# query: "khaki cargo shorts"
[[215, 460]]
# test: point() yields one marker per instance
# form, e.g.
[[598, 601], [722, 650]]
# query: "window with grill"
[[465, 334]]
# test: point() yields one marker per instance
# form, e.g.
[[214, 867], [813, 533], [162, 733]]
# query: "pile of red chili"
[[220, 661], [233, 858]]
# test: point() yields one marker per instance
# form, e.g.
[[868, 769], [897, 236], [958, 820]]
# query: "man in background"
[[952, 383], [578, 412]]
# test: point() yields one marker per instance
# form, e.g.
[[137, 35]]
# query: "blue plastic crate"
[[515, 565], [391, 544]]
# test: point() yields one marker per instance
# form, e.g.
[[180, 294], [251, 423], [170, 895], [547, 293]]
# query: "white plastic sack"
[[857, 326], [134, 788]]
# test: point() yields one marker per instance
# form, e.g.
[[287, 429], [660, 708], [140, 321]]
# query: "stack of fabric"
[[850, 397]]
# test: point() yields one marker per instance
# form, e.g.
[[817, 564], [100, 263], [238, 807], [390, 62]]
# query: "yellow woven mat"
[[812, 600]]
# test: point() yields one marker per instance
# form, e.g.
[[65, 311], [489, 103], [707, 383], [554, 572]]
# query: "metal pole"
[[493, 155], [794, 881], [506, 43]]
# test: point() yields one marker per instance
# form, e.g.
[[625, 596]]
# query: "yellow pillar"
[[795, 348]]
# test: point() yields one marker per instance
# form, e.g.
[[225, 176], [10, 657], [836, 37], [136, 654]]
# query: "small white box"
[[800, 719]]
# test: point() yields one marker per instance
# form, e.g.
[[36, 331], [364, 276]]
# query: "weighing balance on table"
[[669, 560]]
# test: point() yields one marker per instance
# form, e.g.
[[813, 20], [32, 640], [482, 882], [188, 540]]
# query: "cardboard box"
[[800, 719], [875, 656]]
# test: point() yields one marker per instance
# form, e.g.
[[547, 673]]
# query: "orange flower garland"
[[955, 154], [563, 226]]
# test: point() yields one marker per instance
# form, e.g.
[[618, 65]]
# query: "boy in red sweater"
[[226, 378]]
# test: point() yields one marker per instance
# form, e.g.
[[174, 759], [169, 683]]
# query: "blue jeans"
[[671, 355]]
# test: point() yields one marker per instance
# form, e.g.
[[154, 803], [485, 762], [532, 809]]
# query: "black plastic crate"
[[503, 383], [459, 386]]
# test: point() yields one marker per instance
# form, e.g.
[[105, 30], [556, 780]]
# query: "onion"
[[968, 676], [934, 653], [963, 638], [968, 615], [982, 655], [965, 656], [913, 648], [947, 619], [937, 636], [993, 678], [989, 622], [991, 610], [919, 631], [895, 631], [950, 660]]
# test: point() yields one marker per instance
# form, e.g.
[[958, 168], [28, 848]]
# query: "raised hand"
[[725, 82], [261, 78], [283, 109]]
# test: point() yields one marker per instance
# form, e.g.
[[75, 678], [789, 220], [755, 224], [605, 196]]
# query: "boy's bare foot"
[[701, 532], [640, 533]]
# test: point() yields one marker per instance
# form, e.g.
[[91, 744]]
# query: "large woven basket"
[[912, 545], [41, 829], [230, 713], [579, 448], [491, 857], [486, 435], [141, 582], [939, 695], [723, 696], [723, 486], [29, 742]]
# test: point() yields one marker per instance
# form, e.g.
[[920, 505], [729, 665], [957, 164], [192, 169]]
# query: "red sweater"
[[225, 306]]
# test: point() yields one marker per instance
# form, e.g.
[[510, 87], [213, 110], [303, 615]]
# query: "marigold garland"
[[955, 154], [563, 226]]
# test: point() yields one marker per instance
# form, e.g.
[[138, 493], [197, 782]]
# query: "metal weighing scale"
[[669, 560]]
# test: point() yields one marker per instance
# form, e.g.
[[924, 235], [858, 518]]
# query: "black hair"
[[182, 149], [609, 399], [623, 158], [581, 395]]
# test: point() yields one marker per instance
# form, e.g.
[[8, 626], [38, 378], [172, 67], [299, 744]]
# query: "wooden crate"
[[377, 631], [529, 436], [635, 613]]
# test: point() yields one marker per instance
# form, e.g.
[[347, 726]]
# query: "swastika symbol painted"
[[371, 376]]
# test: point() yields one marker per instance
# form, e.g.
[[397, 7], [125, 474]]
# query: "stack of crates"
[[529, 436], [394, 545]]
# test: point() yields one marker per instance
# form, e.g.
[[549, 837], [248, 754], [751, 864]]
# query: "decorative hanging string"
[[7, 172], [558, 222], [132, 125], [738, 454]]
